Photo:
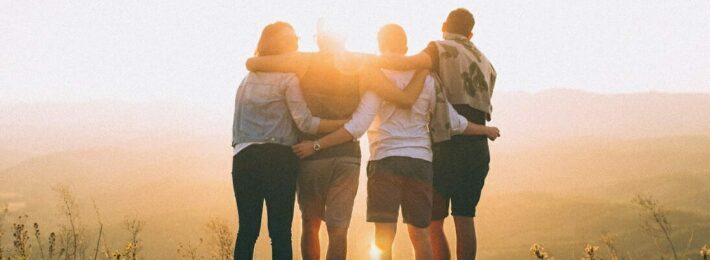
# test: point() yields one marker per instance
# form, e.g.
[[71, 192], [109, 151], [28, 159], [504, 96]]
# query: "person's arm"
[[302, 116], [373, 79], [489, 131], [459, 125], [356, 127], [394, 62], [296, 62]]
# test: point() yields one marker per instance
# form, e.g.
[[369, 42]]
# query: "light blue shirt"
[[268, 109]]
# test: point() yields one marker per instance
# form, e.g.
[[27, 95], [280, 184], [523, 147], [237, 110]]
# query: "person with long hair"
[[269, 109]]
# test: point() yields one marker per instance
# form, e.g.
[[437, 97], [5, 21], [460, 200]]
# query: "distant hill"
[[524, 118], [11, 157], [42, 128], [590, 164], [561, 113]]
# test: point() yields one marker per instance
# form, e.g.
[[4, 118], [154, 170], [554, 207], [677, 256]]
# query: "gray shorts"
[[327, 188], [395, 182]]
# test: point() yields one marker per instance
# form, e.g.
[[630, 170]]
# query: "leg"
[[440, 247], [384, 237], [280, 214], [446, 162], [281, 173], [312, 179], [463, 205], [310, 244], [465, 197], [339, 200], [337, 243], [383, 202], [465, 238], [249, 205], [417, 204], [421, 242]]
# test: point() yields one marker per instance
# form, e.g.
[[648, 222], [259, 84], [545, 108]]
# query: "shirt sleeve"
[[433, 53], [458, 122], [302, 116], [364, 114]]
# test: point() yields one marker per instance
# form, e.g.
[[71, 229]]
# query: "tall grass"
[[655, 223], [220, 243], [3, 215], [70, 242], [21, 239], [538, 251], [71, 232]]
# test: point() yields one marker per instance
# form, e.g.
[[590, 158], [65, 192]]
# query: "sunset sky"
[[194, 51]]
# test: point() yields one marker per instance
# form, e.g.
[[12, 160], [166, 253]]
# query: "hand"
[[492, 132], [303, 149]]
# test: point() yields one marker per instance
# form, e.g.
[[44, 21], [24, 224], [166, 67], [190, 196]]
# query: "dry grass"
[[538, 251], [70, 242], [705, 252], [3, 215], [655, 223], [220, 243]]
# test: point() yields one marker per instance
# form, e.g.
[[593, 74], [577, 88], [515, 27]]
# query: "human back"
[[397, 131], [330, 92], [467, 75], [261, 111]]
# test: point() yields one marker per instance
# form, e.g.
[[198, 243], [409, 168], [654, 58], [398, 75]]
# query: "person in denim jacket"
[[269, 108]]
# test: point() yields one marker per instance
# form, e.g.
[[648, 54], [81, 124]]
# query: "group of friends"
[[298, 117]]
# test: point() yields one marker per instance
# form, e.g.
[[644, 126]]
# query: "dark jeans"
[[265, 172]]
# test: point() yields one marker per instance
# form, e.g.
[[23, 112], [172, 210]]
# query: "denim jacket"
[[268, 108]]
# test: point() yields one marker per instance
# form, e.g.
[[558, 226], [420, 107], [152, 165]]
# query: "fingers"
[[302, 150], [494, 133]]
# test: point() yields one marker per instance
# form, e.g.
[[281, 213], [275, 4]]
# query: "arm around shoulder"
[[296, 62], [418, 61], [376, 81]]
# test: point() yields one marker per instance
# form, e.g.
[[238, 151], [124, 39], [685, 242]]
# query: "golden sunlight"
[[375, 252]]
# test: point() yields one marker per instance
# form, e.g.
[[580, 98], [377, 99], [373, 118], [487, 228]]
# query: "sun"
[[375, 252]]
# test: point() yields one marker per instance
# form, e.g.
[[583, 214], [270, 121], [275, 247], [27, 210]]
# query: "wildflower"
[[539, 252], [590, 251], [705, 252]]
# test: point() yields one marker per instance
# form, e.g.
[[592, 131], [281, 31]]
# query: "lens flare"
[[375, 252]]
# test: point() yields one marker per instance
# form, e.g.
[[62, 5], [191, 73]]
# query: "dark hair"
[[269, 41], [392, 37], [460, 21]]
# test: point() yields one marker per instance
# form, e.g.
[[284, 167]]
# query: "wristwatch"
[[316, 146]]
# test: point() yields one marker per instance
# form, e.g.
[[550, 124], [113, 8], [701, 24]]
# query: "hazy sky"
[[193, 51]]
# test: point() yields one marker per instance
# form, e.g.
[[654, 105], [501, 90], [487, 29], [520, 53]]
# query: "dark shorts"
[[460, 169], [327, 189], [399, 181]]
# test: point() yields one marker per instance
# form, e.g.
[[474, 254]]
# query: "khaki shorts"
[[327, 188]]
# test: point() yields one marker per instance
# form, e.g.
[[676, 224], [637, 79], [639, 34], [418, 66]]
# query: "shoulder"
[[432, 48], [271, 77]]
